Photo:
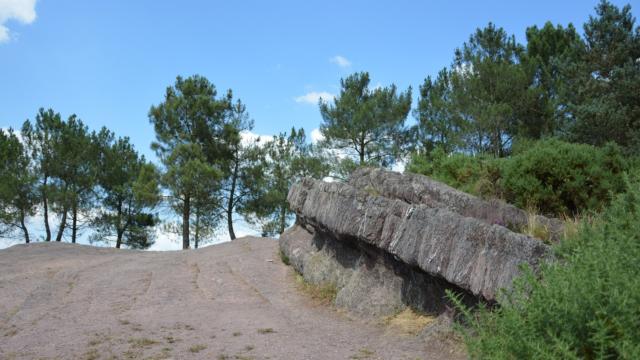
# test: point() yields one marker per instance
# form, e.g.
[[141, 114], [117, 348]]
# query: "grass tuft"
[[409, 321], [324, 293], [284, 258], [197, 348]]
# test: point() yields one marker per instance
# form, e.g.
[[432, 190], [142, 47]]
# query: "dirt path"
[[229, 301]]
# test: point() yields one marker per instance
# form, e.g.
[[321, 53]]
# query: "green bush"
[[551, 176], [585, 306], [559, 178], [476, 175]]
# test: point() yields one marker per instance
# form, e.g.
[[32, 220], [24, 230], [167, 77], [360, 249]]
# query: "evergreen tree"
[[41, 139], [439, 122], [192, 181], [548, 50], [74, 172], [194, 132], [491, 90], [245, 174], [18, 185], [130, 191], [368, 123], [289, 159], [601, 88]]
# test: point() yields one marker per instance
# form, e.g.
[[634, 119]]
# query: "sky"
[[109, 61]]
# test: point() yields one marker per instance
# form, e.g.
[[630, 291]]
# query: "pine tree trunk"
[[45, 203], [197, 235], [65, 210], [74, 225], [63, 224], [24, 227], [283, 219], [362, 145], [230, 204], [119, 227], [119, 238], [185, 222]]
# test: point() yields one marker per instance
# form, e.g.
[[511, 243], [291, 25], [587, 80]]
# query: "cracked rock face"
[[420, 189], [431, 233]]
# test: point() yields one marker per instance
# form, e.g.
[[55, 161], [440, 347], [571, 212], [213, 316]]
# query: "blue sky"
[[109, 61]]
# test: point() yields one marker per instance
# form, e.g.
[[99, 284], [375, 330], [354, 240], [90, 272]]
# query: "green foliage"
[[18, 192], [548, 49], [367, 122], [551, 176], [194, 133], [75, 172], [583, 307], [192, 181], [498, 92], [65, 158], [130, 191], [562, 178], [41, 139], [491, 90], [601, 87], [288, 159], [439, 123], [191, 113], [474, 174], [244, 177]]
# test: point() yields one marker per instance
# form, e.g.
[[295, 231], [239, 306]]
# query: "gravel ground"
[[230, 301]]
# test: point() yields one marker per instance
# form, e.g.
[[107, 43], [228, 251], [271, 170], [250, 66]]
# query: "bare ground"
[[230, 301]]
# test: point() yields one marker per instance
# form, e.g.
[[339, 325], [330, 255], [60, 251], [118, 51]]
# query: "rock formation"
[[419, 189], [384, 235]]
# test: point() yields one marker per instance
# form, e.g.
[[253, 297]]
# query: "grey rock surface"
[[420, 189], [370, 283], [467, 252]]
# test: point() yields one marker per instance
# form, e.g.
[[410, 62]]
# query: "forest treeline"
[[553, 124], [79, 179]]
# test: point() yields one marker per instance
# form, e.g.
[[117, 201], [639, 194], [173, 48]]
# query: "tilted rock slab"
[[420, 189], [467, 252]]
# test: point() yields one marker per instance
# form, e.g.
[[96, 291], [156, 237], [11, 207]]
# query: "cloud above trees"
[[23, 11], [341, 61], [314, 96]]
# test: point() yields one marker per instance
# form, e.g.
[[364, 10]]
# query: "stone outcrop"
[[419, 189], [406, 224], [369, 281]]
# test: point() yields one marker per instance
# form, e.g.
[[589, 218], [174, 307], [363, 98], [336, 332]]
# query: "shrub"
[[558, 177], [475, 174], [585, 306]]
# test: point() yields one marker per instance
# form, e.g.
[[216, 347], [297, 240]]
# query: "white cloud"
[[316, 136], [314, 97], [249, 138], [23, 11], [341, 61]]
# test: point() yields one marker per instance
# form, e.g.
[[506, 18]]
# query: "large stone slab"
[[467, 252], [420, 189]]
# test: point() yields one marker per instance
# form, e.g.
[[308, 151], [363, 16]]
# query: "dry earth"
[[231, 301]]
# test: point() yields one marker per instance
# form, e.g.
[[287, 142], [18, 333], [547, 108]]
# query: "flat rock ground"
[[231, 301]]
